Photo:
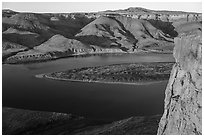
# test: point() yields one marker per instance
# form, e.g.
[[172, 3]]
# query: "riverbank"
[[91, 81], [20, 121], [128, 73], [34, 56]]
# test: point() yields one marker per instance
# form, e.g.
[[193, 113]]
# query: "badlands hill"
[[47, 36]]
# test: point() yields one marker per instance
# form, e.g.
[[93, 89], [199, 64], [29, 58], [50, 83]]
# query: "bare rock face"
[[183, 101]]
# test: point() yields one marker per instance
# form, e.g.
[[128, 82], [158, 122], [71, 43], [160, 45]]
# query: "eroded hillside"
[[130, 31]]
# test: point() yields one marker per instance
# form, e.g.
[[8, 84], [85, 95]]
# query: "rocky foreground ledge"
[[183, 101], [22, 122], [134, 73]]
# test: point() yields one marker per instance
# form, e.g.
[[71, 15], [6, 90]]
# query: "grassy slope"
[[19, 121]]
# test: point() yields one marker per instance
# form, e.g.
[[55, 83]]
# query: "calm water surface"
[[93, 100]]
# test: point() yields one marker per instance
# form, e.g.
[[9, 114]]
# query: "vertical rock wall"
[[183, 105]]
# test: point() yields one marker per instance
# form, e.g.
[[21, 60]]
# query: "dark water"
[[93, 100]]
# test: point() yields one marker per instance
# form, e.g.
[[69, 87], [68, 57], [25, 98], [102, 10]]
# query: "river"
[[93, 100]]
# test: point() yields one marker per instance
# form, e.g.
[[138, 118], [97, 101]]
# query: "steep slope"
[[59, 43], [183, 103], [22, 37], [121, 32], [131, 126], [56, 46], [140, 28], [188, 27], [130, 30], [29, 122], [148, 37], [166, 21], [44, 26], [104, 32], [31, 30], [10, 49]]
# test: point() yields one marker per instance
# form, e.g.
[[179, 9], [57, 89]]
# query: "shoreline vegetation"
[[128, 73]]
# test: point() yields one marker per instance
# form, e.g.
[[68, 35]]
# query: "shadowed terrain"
[[25, 122], [130, 30], [32, 37]]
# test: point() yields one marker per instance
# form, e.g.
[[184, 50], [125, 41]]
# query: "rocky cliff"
[[183, 101], [130, 30]]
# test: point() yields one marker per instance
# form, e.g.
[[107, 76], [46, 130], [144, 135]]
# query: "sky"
[[67, 7]]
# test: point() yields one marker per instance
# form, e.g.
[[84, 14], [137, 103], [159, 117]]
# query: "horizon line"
[[163, 10]]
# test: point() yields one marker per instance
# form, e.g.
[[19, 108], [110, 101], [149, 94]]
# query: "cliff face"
[[166, 16], [130, 30], [183, 101]]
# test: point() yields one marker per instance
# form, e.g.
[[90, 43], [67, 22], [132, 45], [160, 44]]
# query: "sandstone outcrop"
[[183, 101], [169, 16], [130, 30]]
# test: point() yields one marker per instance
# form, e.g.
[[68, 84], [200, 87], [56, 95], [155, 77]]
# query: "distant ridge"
[[130, 9], [130, 30]]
